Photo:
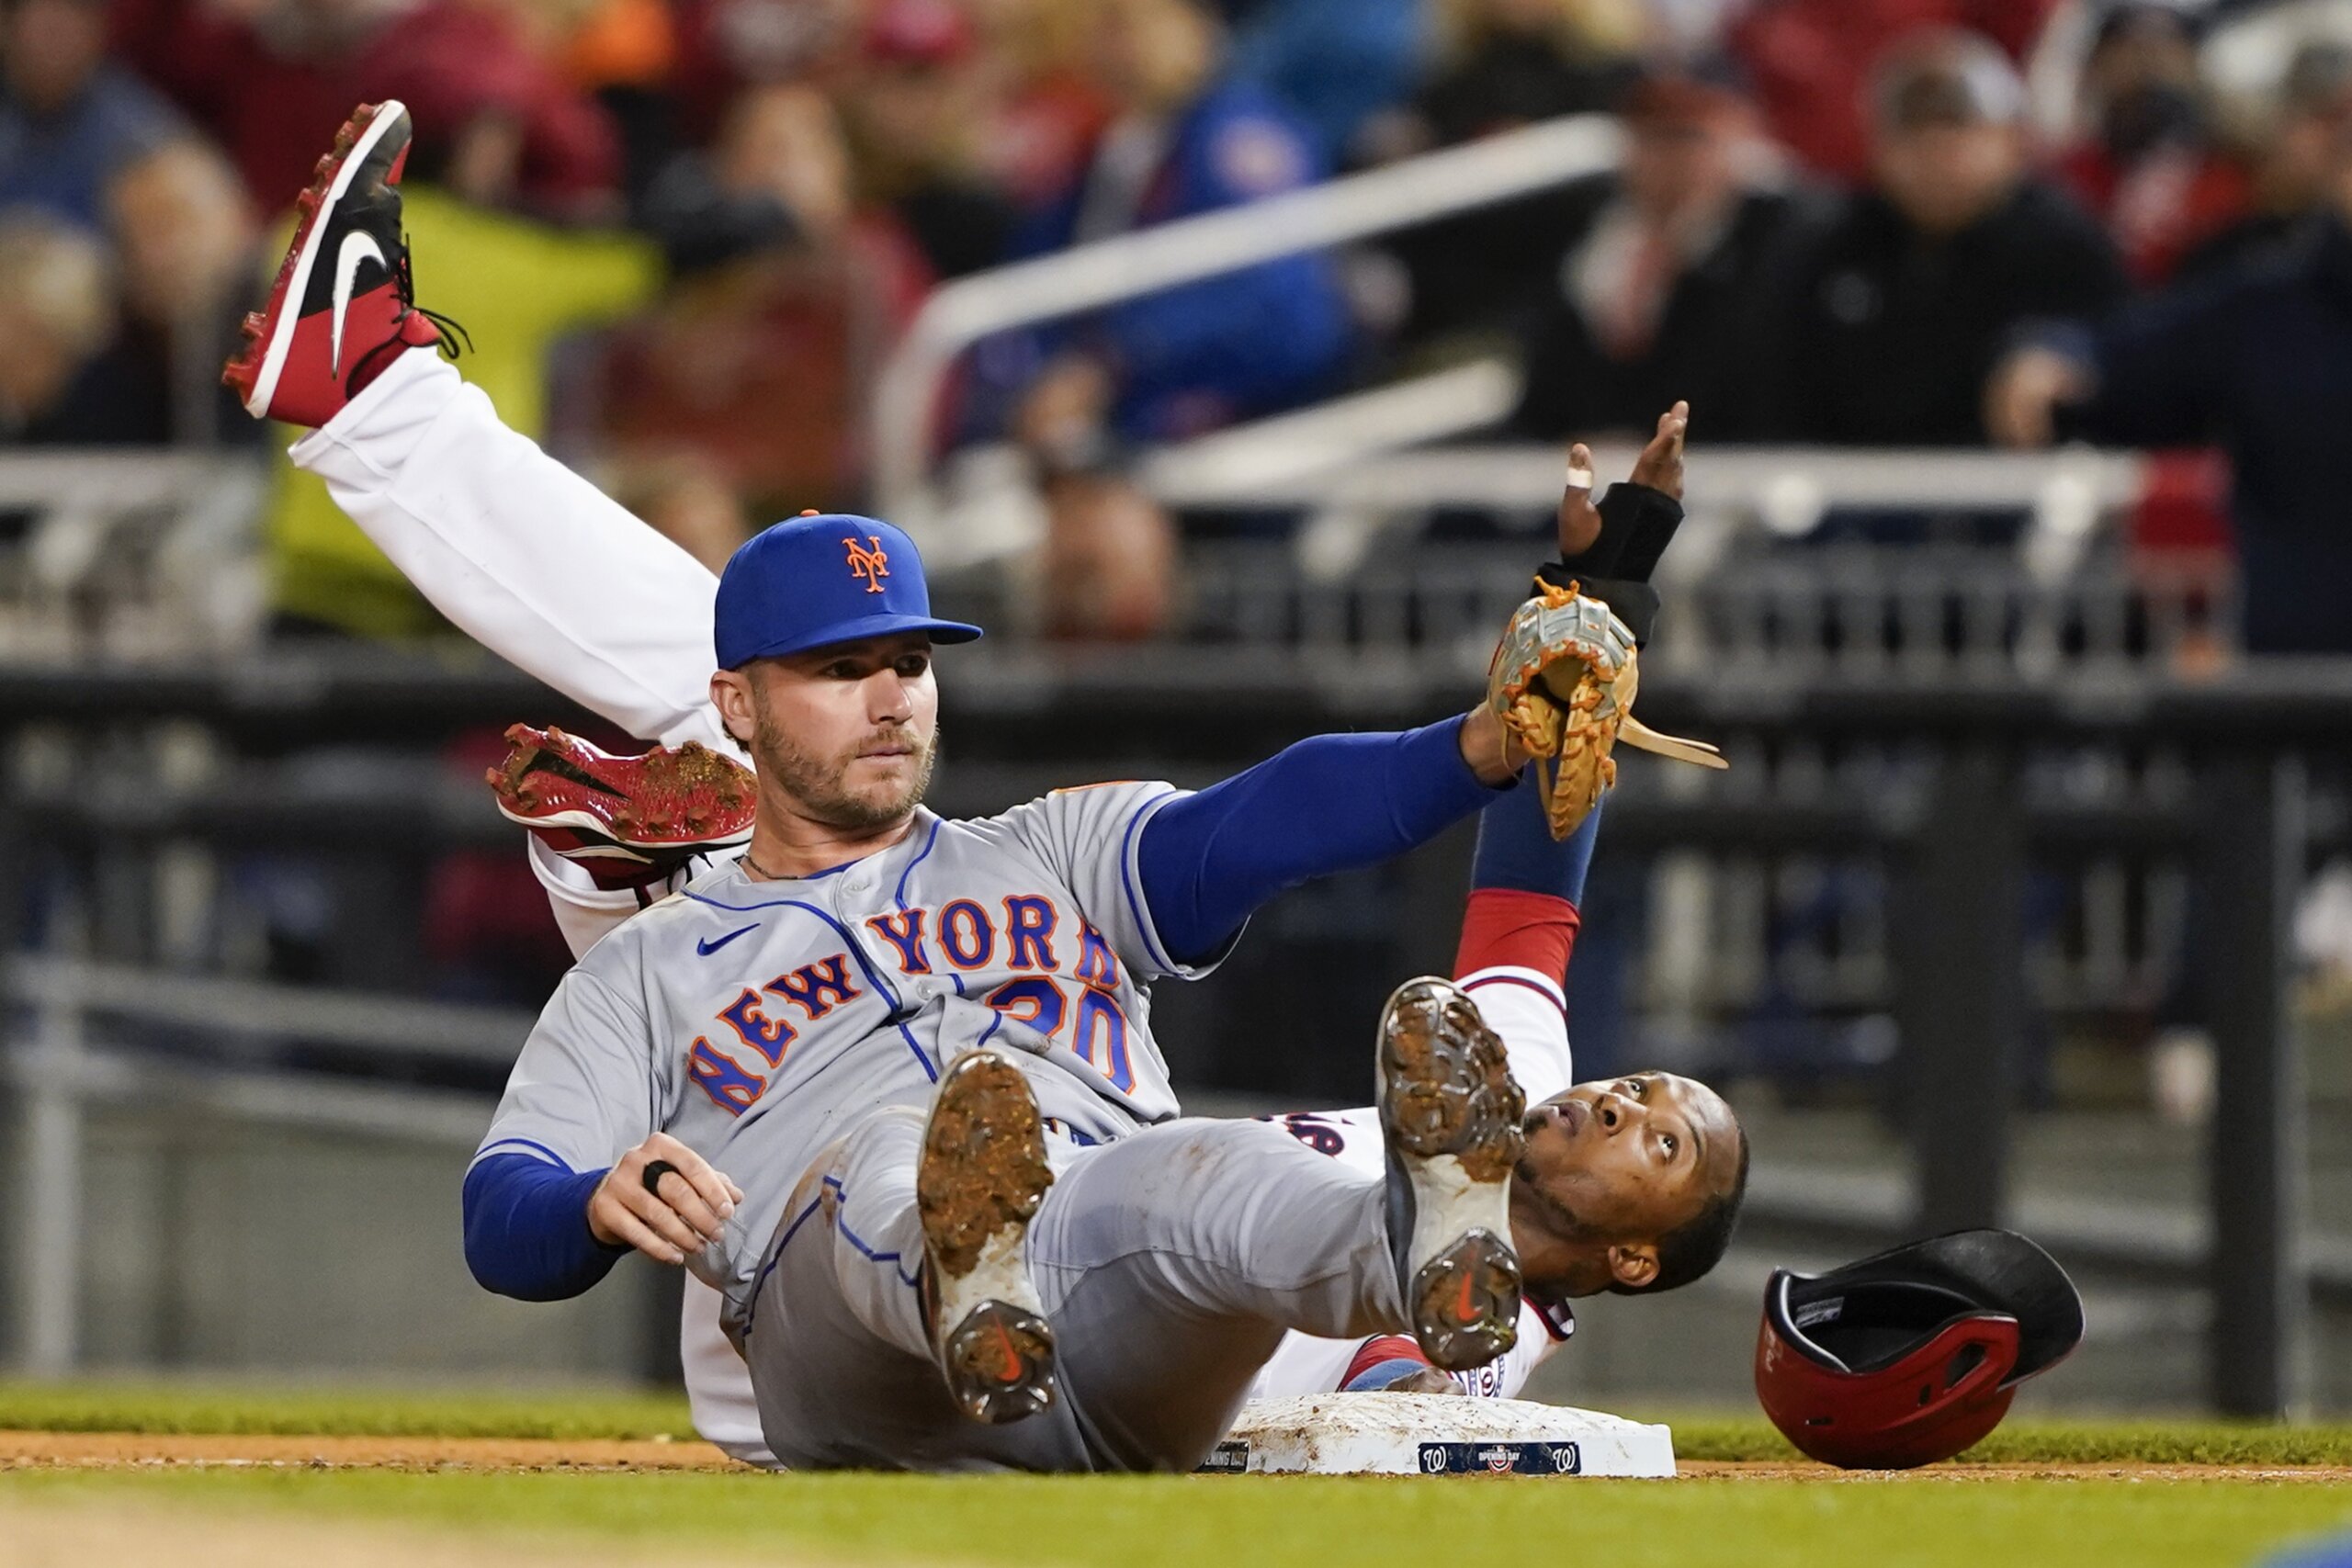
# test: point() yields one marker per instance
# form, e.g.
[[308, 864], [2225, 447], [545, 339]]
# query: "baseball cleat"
[[977, 1185], [1450, 1115], [342, 304], [627, 822]]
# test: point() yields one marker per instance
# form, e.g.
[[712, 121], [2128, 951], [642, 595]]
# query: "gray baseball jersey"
[[1523, 1006], [757, 1022]]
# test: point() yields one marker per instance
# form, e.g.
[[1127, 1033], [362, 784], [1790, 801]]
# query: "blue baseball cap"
[[819, 579]]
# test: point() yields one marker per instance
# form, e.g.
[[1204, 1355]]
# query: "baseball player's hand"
[[1579, 519], [1660, 464], [1424, 1379], [1494, 753], [1660, 467], [685, 1213]]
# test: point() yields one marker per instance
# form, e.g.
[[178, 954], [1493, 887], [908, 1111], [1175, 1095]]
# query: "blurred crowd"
[[687, 233]]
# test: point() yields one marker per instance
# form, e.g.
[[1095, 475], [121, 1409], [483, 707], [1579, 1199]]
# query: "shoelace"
[[404, 282]]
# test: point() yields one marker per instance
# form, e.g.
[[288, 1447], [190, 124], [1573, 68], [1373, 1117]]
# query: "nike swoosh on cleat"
[[357, 246], [707, 947]]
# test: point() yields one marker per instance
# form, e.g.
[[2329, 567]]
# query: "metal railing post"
[[2251, 817], [1959, 953], [1209, 244], [50, 1187]]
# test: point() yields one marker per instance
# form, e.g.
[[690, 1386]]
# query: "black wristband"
[[1635, 523], [1652, 516], [654, 1172]]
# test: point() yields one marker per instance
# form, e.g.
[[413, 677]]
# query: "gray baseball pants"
[[1170, 1264]]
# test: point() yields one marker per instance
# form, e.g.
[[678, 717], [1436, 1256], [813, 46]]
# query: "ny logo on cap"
[[867, 562]]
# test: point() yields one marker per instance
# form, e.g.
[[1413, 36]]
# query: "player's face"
[[1610, 1167], [847, 735]]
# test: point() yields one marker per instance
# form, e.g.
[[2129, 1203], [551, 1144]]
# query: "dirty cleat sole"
[[980, 1179], [672, 797], [1451, 1116]]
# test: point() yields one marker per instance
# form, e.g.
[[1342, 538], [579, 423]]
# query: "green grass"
[[1139, 1522], [2044, 1440], [162, 1407], [1149, 1522], [249, 1410]]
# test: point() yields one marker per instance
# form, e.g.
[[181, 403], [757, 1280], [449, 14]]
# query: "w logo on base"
[[1505, 1457], [867, 562]]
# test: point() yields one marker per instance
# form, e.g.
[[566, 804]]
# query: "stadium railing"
[[134, 554], [1085, 278]]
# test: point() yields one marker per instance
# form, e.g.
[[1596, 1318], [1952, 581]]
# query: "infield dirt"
[[109, 1450], [51, 1535]]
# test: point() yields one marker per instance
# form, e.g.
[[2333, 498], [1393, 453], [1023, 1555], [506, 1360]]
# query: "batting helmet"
[[1913, 1355]]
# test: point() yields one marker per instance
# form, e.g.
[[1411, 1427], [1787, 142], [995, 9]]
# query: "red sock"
[[1503, 926]]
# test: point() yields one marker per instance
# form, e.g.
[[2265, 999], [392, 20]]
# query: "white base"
[[1434, 1434]]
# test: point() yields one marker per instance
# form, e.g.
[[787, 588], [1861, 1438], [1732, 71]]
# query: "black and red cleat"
[[341, 306], [629, 822], [1451, 1117], [979, 1182]]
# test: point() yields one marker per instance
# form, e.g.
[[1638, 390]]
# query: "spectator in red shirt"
[[2148, 168], [1810, 60], [757, 364], [273, 83]]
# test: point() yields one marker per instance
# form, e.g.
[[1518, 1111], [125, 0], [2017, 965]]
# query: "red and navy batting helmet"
[[1912, 1354]]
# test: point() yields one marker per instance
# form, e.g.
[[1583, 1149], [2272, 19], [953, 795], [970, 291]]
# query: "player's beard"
[[1558, 1216], [815, 784]]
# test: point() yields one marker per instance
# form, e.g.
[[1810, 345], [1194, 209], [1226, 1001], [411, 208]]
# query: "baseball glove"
[[1563, 682]]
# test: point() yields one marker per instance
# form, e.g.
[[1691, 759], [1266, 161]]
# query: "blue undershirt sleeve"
[[1329, 804], [527, 1228], [1516, 850]]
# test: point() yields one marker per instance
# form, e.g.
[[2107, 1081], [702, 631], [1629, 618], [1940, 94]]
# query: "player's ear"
[[1633, 1265], [730, 694]]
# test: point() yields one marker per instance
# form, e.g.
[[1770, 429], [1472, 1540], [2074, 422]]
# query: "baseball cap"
[[1946, 77], [821, 578], [1686, 92]]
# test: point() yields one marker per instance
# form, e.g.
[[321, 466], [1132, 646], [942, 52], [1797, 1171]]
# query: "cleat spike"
[[979, 1182], [628, 821], [1452, 1117]]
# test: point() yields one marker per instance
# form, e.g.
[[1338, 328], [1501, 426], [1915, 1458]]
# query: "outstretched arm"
[[1340, 802], [1330, 804]]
